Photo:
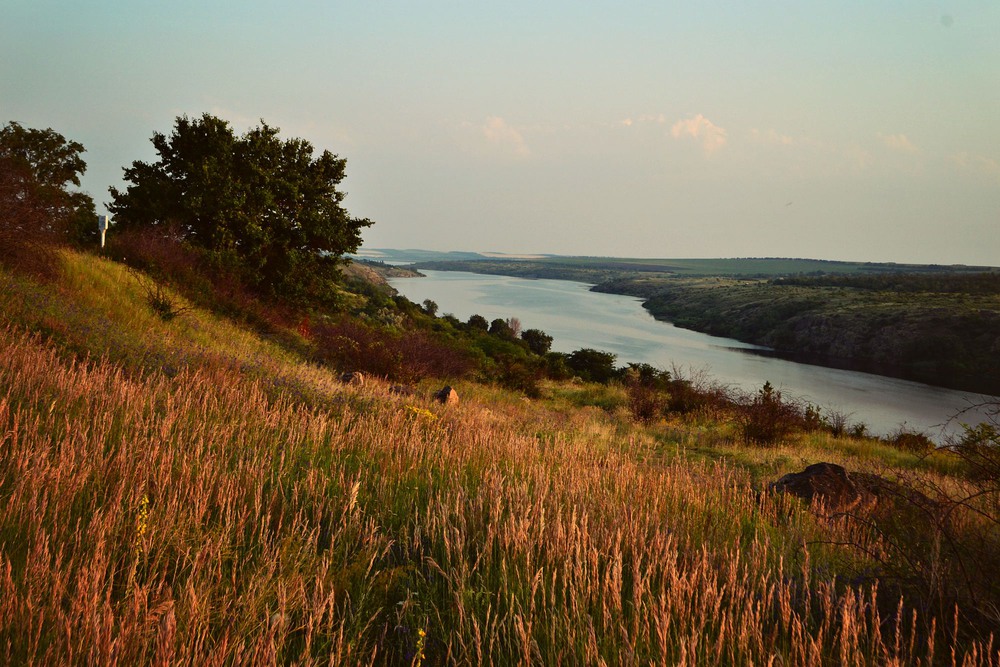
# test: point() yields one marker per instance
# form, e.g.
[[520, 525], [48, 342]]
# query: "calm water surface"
[[576, 317]]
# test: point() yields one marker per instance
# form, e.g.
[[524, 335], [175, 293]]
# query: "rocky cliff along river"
[[577, 317]]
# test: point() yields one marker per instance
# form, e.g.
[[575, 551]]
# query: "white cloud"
[[711, 136], [644, 119], [898, 142], [771, 137], [499, 133], [976, 163]]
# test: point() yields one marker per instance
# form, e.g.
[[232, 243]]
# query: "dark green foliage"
[[538, 341], [979, 448], [985, 282], [945, 338], [501, 329], [495, 347], [405, 306], [556, 366], [812, 419], [261, 205], [520, 374], [602, 269], [647, 396], [683, 397], [647, 375], [37, 168], [858, 431], [478, 323], [592, 365], [41, 165]]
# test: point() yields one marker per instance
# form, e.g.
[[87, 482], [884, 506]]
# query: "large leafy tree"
[[268, 206], [38, 207], [37, 168]]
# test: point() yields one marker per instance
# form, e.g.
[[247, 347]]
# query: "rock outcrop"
[[856, 493], [829, 483]]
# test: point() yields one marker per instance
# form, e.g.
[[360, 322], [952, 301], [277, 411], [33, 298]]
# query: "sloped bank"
[[941, 338]]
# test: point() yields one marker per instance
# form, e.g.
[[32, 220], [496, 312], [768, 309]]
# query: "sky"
[[865, 131]]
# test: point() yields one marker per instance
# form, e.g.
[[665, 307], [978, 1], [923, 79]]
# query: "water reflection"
[[577, 317]]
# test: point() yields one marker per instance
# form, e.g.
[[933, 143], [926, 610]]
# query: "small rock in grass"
[[447, 396]]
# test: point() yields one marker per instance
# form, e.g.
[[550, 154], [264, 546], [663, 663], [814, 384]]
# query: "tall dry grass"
[[200, 519], [244, 507]]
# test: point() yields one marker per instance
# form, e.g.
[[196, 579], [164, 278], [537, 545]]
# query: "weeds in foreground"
[[276, 532], [158, 297], [246, 507]]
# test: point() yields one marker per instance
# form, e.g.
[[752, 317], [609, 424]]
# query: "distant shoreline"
[[947, 339]]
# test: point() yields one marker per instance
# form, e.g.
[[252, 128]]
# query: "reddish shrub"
[[28, 233], [407, 357], [767, 417], [160, 252]]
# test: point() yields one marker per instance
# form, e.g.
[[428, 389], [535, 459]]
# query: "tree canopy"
[[37, 206], [266, 205], [37, 168], [593, 365], [538, 341]]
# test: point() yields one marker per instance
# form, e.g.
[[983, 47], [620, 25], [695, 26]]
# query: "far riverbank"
[[934, 325]]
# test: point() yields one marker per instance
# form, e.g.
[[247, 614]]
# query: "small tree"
[[514, 325], [593, 365], [478, 323], [39, 167], [647, 375], [500, 329], [538, 341], [767, 418]]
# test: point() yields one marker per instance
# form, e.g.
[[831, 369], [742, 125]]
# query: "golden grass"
[[211, 515]]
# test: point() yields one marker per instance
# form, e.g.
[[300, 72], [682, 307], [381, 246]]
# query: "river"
[[576, 317]]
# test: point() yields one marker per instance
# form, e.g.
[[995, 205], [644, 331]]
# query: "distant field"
[[751, 266], [579, 268]]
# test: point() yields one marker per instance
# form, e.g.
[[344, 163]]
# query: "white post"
[[102, 225]]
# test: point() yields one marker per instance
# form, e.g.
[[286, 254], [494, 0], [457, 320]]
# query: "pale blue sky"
[[849, 130]]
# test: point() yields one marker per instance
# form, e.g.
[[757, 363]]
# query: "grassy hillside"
[[191, 491]]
